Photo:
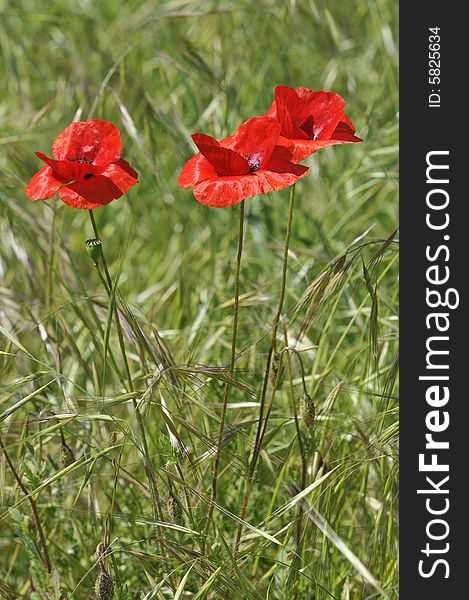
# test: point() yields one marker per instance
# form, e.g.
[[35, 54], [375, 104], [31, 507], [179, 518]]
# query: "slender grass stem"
[[277, 383], [37, 520], [257, 443], [112, 293], [228, 386], [180, 472], [304, 460]]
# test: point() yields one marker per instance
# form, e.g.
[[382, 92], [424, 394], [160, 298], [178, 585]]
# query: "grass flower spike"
[[87, 170]]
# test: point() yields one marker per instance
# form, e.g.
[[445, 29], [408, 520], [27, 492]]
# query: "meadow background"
[[162, 70]]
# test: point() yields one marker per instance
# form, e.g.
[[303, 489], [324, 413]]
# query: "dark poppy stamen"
[[88, 176], [254, 165]]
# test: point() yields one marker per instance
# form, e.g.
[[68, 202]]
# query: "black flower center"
[[254, 163], [88, 176]]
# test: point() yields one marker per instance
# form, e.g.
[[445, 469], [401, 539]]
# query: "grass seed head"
[[103, 586], [174, 509], [307, 410]]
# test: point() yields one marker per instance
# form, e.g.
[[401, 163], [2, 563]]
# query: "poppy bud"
[[174, 509], [94, 249], [307, 410], [103, 586]]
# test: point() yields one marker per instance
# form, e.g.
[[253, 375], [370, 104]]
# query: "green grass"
[[161, 70]]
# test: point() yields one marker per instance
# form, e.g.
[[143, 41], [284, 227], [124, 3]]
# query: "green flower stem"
[[257, 443], [112, 293], [51, 257], [228, 386]]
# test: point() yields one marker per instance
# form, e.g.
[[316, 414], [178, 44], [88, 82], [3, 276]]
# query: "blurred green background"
[[161, 70]]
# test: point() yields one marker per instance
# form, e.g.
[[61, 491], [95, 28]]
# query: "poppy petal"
[[125, 165], [224, 160], [272, 111], [284, 150], [281, 160], [66, 170], [317, 114], [346, 121], [256, 138], [278, 165], [289, 111], [304, 148], [226, 191], [122, 175], [345, 132], [96, 141], [326, 109], [90, 193], [271, 181], [43, 185], [195, 170]]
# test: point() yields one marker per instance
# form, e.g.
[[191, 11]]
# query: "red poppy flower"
[[241, 166], [311, 120], [87, 170]]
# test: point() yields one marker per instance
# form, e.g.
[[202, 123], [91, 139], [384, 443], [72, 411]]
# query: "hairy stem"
[[51, 257], [257, 443], [228, 386]]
